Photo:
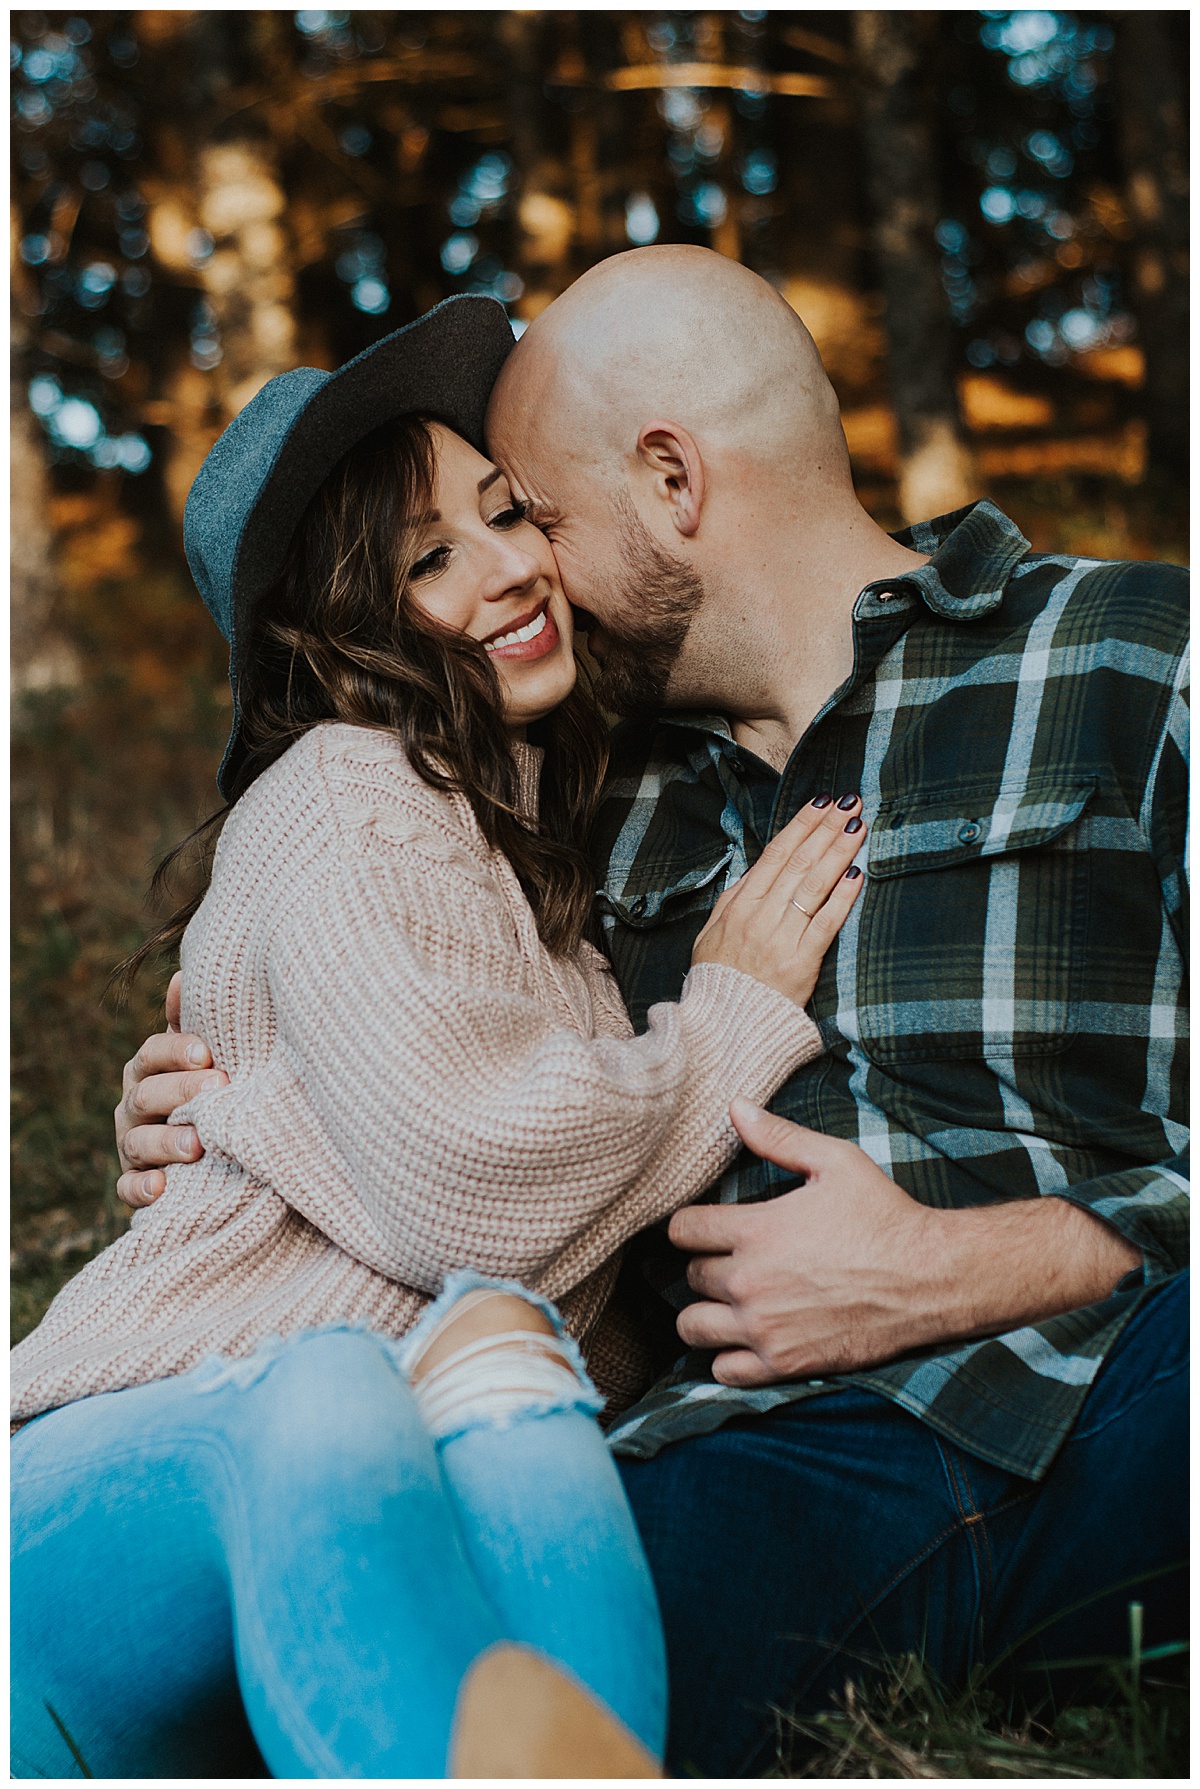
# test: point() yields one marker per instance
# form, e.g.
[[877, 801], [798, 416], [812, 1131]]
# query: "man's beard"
[[657, 597]]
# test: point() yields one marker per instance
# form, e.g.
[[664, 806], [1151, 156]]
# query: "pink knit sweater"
[[416, 1084]]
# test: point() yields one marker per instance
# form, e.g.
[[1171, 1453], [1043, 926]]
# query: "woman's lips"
[[536, 639]]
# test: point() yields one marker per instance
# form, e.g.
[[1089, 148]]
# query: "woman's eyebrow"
[[489, 479]]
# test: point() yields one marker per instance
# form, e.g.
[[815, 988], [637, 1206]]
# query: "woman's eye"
[[431, 562], [508, 518]]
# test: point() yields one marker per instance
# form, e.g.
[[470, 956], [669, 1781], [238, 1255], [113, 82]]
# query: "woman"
[[286, 1477]]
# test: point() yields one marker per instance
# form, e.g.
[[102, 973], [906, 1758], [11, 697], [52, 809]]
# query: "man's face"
[[634, 600]]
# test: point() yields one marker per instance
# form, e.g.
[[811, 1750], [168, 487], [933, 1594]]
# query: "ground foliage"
[[905, 1725]]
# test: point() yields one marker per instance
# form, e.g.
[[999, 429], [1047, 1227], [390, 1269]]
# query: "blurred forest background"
[[981, 216]]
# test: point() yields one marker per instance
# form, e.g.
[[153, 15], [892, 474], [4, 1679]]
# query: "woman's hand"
[[168, 1070], [778, 920]]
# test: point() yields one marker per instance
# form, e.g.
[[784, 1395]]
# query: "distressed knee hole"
[[491, 1358]]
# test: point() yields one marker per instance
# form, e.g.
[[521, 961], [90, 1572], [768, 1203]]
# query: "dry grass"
[[906, 1725]]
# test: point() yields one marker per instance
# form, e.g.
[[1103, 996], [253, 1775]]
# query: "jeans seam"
[[981, 1546], [307, 1742]]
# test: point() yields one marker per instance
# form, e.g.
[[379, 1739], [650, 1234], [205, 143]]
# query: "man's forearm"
[[998, 1267]]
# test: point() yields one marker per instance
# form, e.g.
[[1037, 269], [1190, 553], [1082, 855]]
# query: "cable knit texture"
[[416, 1084]]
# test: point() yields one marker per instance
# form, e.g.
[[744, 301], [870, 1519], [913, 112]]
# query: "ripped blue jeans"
[[281, 1566]]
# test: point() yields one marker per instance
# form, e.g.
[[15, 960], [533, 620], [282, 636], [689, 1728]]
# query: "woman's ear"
[[672, 458]]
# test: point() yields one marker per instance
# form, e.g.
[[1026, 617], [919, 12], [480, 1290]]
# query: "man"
[[935, 1395]]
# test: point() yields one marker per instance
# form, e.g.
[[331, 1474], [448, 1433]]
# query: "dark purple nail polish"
[[852, 874], [854, 825], [847, 801], [821, 801]]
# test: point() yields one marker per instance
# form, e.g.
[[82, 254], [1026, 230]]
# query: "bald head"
[[670, 425], [674, 332]]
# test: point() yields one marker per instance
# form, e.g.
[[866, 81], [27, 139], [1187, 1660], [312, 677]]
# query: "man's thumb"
[[776, 1139]]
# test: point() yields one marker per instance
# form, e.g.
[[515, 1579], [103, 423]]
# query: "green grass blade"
[[62, 1727]]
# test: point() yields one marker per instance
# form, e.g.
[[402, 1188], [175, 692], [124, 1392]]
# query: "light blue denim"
[[268, 1567]]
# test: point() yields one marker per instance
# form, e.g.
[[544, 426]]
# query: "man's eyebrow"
[[489, 479], [541, 514]]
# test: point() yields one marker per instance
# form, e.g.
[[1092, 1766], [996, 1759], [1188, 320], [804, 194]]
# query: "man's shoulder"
[[1142, 602]]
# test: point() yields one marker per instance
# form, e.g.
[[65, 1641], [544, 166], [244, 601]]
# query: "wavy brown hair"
[[337, 638]]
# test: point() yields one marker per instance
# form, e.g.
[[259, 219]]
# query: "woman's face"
[[485, 571]]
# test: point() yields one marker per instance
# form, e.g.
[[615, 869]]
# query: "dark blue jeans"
[[788, 1547]]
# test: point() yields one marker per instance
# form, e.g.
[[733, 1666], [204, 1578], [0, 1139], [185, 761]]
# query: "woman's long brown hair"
[[337, 639]]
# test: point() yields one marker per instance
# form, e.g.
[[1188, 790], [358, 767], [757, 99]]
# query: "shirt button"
[[639, 907], [968, 834]]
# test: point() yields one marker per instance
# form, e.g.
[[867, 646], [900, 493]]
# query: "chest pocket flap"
[[971, 938], [933, 834], [644, 899]]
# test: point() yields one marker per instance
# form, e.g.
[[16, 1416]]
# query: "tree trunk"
[[936, 468], [217, 221], [546, 218], [39, 657], [248, 277], [1151, 51]]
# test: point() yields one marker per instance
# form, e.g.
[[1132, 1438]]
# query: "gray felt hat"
[[252, 489]]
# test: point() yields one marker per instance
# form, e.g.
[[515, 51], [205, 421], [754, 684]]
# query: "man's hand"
[[167, 1070], [848, 1271]]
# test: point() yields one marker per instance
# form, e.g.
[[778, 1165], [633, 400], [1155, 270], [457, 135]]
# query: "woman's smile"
[[527, 639]]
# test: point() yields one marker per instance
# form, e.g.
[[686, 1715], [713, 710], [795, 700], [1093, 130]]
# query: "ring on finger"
[[803, 910]]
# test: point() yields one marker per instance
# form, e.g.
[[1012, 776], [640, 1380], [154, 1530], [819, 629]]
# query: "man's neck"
[[808, 628]]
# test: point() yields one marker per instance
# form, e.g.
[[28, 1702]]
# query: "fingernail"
[[853, 873], [185, 1142], [147, 1190], [822, 801], [847, 801], [854, 825], [210, 1084], [198, 1054]]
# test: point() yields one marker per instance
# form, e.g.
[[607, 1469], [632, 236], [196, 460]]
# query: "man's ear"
[[672, 458]]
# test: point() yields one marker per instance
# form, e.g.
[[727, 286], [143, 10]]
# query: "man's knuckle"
[[135, 1147], [739, 1285]]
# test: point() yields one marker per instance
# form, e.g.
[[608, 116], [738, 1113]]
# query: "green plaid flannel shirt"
[[1004, 1012]]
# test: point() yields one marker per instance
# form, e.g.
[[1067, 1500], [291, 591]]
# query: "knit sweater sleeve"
[[468, 1126]]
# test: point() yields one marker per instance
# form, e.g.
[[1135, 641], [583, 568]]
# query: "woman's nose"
[[513, 571]]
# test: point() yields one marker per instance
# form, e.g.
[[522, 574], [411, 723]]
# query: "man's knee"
[[1144, 1379]]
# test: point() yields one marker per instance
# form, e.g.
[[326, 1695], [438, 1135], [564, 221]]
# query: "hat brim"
[[444, 365]]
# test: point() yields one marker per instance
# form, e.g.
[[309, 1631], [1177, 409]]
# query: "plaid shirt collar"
[[973, 552]]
